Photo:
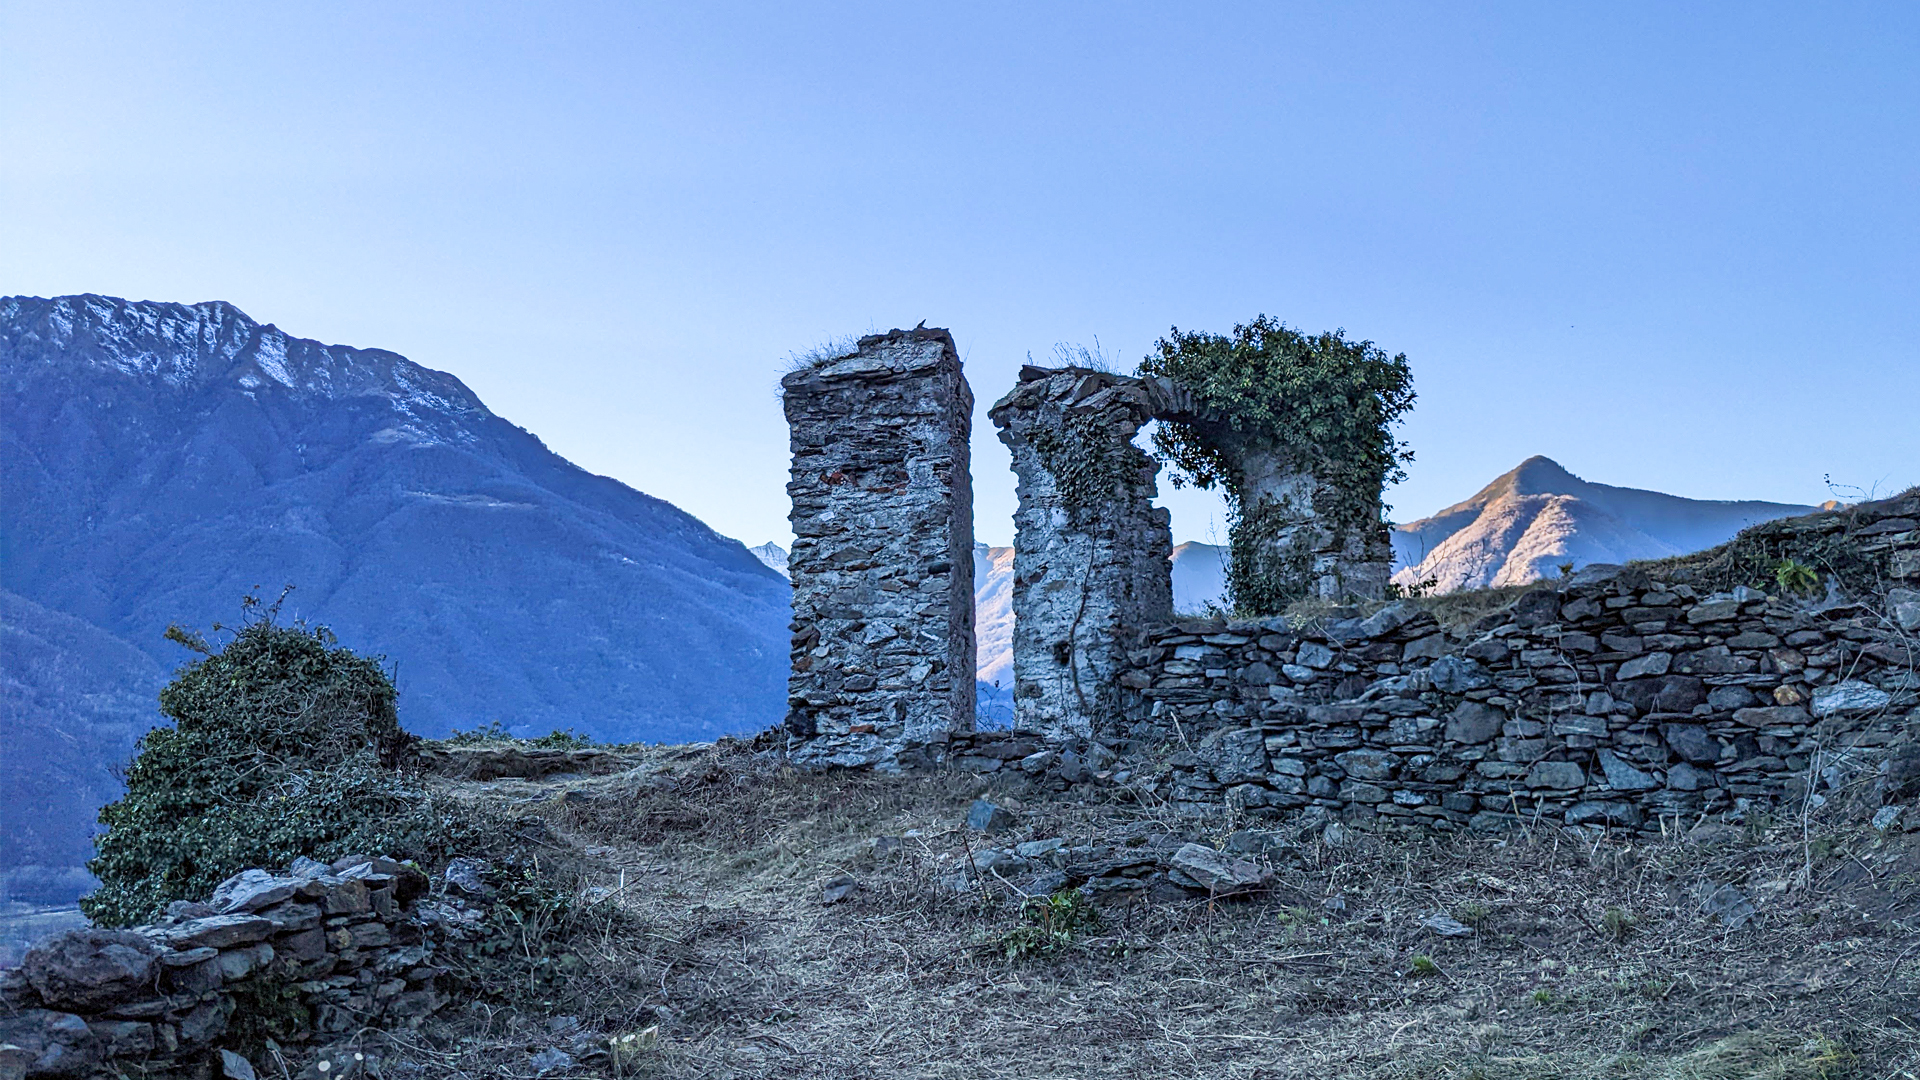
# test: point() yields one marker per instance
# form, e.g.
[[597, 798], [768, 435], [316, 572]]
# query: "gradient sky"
[[1670, 246]]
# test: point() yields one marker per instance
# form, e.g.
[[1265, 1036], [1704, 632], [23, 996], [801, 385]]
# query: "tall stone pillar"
[[1299, 535], [882, 561], [1090, 565]]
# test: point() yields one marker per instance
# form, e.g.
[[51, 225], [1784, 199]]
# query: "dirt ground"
[[706, 946]]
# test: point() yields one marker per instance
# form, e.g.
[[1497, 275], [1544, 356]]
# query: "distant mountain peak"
[[773, 555], [1537, 517], [1540, 475]]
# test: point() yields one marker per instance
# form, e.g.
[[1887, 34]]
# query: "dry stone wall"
[[347, 939], [1091, 551], [882, 560], [1612, 698]]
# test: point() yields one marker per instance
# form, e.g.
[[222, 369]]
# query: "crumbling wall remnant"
[[1299, 534], [882, 561], [334, 948], [1091, 549]]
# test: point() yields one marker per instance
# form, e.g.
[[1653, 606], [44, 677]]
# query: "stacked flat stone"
[[1091, 550], [1609, 699], [344, 936], [882, 560]]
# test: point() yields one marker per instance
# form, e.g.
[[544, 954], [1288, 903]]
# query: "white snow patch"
[[271, 357]]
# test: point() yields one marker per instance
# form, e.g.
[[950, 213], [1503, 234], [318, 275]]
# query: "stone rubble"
[[348, 935]]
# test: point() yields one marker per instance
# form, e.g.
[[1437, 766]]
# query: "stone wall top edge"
[[881, 358]]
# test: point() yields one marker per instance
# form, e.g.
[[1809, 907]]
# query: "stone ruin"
[[1091, 551], [882, 563], [882, 560], [1298, 528], [1610, 699], [354, 942]]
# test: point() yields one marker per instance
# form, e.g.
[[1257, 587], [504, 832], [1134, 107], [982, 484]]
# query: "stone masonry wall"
[[1290, 531], [347, 938], [1091, 550], [1611, 698], [882, 561]]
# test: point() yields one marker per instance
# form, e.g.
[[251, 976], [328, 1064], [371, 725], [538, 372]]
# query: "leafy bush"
[[283, 744], [1325, 403]]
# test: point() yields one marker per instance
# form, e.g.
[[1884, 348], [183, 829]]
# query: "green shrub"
[[559, 739], [282, 744], [1049, 924]]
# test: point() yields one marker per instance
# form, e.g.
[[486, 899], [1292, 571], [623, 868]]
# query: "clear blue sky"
[[1671, 246]]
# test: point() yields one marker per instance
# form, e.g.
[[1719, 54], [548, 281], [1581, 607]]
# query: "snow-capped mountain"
[[1529, 522], [163, 460], [773, 555]]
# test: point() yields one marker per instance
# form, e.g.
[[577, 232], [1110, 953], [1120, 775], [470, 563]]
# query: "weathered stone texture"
[[346, 938], [1610, 699], [882, 561], [1299, 532], [1091, 550]]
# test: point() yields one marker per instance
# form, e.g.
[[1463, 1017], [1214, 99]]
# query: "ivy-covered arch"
[[1297, 431]]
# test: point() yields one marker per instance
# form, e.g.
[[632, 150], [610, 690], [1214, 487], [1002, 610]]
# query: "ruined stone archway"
[[1091, 551]]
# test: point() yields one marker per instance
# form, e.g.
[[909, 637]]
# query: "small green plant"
[[1795, 577], [1424, 967], [1542, 997], [1618, 923], [1474, 913], [1050, 923]]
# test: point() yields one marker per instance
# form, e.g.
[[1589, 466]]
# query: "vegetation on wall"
[[1322, 401], [283, 744], [1086, 465]]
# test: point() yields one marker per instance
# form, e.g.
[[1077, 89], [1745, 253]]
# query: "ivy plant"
[[282, 744], [1322, 401]]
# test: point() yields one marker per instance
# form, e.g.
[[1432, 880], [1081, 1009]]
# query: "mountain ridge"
[[163, 460], [1537, 517]]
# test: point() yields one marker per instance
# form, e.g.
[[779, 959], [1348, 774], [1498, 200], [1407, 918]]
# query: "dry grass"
[[1457, 611], [724, 948]]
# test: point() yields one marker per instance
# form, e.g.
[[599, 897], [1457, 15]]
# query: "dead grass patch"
[[725, 951]]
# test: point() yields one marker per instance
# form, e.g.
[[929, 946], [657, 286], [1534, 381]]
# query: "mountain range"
[[160, 461]]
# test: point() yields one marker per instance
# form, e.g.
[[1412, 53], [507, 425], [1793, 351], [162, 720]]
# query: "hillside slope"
[[759, 921], [73, 699], [1529, 522], [162, 460]]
